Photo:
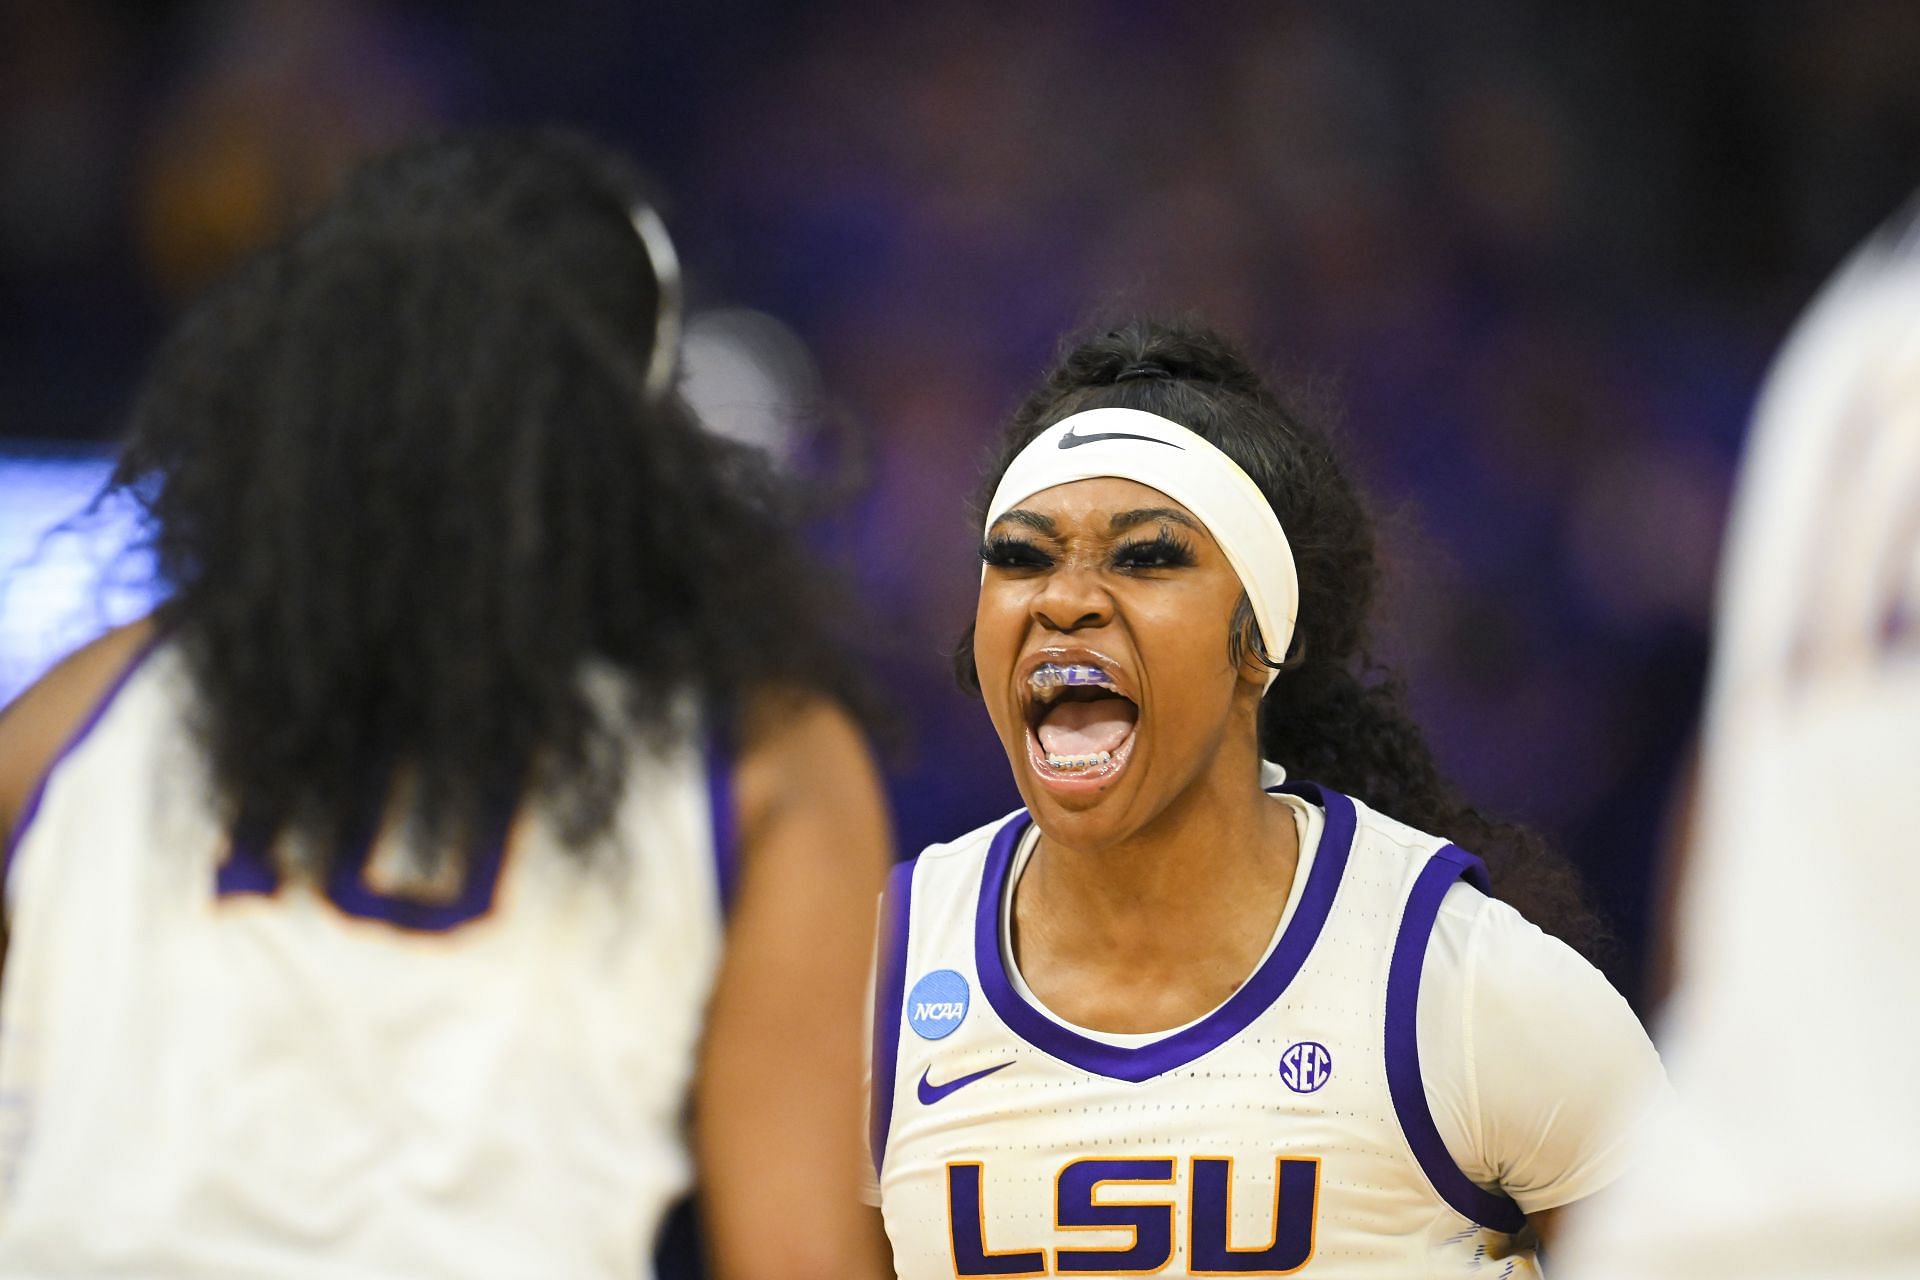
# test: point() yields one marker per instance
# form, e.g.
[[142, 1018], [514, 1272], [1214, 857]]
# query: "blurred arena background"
[[1539, 252]]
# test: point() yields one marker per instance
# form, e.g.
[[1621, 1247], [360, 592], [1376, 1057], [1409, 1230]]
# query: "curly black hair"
[[1335, 714], [409, 486]]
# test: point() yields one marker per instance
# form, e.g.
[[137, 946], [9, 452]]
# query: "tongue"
[[1085, 728]]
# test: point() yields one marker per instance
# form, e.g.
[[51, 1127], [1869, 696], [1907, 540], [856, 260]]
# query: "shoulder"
[[1488, 956], [948, 867], [974, 844], [39, 724], [1542, 1065], [1397, 851], [1508, 958], [1384, 828], [797, 738], [937, 888], [801, 760]]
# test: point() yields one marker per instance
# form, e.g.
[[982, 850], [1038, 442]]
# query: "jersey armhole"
[[889, 1000], [38, 794], [1404, 1082]]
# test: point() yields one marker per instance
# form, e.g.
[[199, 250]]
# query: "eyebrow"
[[1031, 519], [1121, 521]]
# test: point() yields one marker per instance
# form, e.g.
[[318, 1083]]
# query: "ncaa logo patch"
[[938, 1004], [1305, 1066]]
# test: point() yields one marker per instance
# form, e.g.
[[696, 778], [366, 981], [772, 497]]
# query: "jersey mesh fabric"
[[1378, 1213], [261, 1084]]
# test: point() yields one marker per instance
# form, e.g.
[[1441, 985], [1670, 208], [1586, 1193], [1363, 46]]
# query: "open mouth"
[[1079, 725]]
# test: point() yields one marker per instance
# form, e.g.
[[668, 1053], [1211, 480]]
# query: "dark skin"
[[778, 1138], [1177, 866], [1180, 866], [36, 725]]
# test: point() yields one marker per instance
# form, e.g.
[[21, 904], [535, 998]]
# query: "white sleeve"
[[1538, 1074]]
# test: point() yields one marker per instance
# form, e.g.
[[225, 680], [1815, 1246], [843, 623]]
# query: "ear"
[[1245, 648]]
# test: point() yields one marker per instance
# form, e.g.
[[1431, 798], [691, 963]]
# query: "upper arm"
[[778, 1109], [1563, 1074], [35, 726]]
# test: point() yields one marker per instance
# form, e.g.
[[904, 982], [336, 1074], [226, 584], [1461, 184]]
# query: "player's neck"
[[1192, 898]]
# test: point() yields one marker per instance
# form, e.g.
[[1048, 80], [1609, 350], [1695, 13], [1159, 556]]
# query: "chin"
[[1083, 809]]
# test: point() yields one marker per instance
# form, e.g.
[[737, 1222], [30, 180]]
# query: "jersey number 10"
[[1078, 1207], [249, 869]]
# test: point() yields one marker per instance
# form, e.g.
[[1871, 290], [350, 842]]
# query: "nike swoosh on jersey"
[[932, 1093], [1072, 441]]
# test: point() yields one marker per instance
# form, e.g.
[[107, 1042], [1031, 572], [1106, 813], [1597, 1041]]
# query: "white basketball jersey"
[[207, 1072], [1286, 1132], [1795, 936]]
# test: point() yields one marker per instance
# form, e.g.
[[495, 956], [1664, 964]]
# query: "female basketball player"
[[1176, 1017], [365, 905]]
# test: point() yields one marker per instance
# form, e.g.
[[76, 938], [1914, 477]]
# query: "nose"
[[1072, 600]]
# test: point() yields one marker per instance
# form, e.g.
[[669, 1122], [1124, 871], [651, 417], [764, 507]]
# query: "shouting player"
[[1178, 1016], [376, 906]]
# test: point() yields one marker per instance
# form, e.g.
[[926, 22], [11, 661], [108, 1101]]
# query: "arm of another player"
[[777, 1103], [35, 726]]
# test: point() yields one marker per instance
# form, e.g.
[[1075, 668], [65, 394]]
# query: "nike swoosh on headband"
[[1071, 441], [932, 1093]]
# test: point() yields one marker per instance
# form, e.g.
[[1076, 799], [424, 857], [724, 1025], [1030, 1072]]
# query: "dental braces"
[[1078, 762]]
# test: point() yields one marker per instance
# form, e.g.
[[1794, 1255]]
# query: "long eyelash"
[[1164, 550], [1005, 552]]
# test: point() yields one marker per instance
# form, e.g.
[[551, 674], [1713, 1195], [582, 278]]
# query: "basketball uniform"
[[1792, 1028], [205, 1071], [1288, 1131]]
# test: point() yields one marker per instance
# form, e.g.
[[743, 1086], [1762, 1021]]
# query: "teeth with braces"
[[1078, 762], [1057, 677]]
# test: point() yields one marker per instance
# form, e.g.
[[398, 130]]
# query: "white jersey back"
[[1285, 1132], [1792, 1031], [204, 1072]]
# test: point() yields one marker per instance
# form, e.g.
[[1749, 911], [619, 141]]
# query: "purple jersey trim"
[[250, 868], [348, 888], [889, 1004], [725, 817], [1472, 1201], [1255, 996], [79, 735]]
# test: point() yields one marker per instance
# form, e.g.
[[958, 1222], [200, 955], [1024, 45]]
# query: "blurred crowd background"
[[1533, 255]]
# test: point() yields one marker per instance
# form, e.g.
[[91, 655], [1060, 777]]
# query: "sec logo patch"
[[938, 1004], [1304, 1067]]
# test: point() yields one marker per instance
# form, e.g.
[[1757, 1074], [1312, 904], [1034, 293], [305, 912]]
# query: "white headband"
[[1164, 455]]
